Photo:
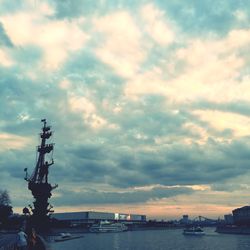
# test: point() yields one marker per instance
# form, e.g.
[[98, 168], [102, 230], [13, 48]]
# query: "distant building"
[[241, 216], [76, 218], [185, 219], [229, 219]]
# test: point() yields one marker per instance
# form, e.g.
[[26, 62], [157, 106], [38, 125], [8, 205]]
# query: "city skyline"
[[149, 102]]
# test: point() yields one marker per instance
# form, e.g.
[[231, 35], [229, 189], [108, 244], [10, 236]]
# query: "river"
[[156, 240]]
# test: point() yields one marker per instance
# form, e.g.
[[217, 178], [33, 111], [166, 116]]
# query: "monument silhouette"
[[38, 182]]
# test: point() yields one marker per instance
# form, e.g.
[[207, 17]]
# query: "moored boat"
[[106, 227], [67, 236]]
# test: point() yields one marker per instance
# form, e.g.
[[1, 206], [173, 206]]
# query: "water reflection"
[[116, 241]]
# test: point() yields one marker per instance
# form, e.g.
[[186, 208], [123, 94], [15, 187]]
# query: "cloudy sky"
[[149, 101]]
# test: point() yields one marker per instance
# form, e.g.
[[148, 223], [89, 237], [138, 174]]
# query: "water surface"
[[156, 240]]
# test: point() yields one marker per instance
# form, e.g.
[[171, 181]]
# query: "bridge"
[[203, 221]]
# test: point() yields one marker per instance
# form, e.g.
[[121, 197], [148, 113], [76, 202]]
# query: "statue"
[[38, 181]]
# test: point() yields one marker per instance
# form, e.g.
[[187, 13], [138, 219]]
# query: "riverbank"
[[231, 229]]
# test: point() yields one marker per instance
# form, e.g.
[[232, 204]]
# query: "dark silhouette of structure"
[[5, 207], [241, 216], [38, 181]]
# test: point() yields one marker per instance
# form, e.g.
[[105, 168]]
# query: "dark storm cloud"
[[71, 9], [121, 161], [15, 97], [4, 39], [99, 197], [118, 158], [173, 165], [196, 17], [85, 164], [193, 17], [10, 6], [88, 74], [90, 151], [13, 162], [228, 187], [20, 96], [28, 56], [146, 116]]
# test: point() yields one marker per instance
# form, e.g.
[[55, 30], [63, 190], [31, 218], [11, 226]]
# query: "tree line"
[[5, 207]]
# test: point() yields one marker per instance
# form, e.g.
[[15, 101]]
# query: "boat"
[[193, 231], [67, 236], [108, 227]]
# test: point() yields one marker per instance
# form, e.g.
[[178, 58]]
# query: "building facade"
[[77, 218], [241, 216], [229, 219], [185, 219]]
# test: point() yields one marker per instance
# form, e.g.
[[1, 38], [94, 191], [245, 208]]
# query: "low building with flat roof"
[[78, 218]]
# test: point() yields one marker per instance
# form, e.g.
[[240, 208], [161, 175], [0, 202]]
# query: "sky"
[[149, 102]]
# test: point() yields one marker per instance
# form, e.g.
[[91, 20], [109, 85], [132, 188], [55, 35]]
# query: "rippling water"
[[156, 240]]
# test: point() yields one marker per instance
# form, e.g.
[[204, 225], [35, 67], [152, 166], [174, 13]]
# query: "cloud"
[[167, 165], [33, 26], [238, 124], [240, 15], [203, 18], [9, 141], [99, 197], [199, 79], [4, 39], [5, 59], [156, 26], [121, 47], [147, 100], [72, 9]]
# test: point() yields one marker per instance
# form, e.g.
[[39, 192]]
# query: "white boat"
[[194, 231], [106, 227], [67, 236]]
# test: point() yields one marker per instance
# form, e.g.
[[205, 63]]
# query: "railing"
[[12, 245], [9, 245], [42, 244]]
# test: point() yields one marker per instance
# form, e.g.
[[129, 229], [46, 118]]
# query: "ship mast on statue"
[[38, 182]]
